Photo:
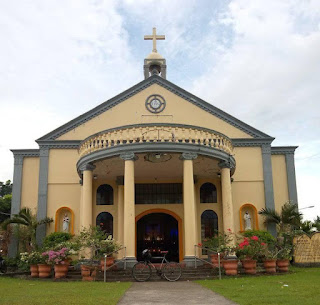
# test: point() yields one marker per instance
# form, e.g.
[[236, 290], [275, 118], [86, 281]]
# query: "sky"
[[258, 60]]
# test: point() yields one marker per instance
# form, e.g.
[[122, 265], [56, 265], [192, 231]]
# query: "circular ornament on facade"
[[155, 103]]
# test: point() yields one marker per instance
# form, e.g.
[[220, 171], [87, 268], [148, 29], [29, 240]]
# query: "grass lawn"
[[25, 292], [301, 287]]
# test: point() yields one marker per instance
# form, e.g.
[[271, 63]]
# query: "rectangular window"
[[158, 193]]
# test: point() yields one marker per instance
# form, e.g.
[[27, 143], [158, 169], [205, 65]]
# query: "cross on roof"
[[154, 37]]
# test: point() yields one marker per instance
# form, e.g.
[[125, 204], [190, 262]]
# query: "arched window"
[[208, 193], [209, 224], [105, 222], [104, 195]]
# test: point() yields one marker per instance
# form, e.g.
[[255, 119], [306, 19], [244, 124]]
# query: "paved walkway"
[[167, 293]]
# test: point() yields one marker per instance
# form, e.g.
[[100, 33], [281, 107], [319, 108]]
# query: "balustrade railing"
[[123, 259], [156, 133]]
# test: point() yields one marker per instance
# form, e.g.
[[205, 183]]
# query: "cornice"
[[243, 142], [155, 79], [283, 150], [20, 153], [67, 144]]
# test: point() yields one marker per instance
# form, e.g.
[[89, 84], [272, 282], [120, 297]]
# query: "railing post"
[[219, 262], [195, 256], [105, 268]]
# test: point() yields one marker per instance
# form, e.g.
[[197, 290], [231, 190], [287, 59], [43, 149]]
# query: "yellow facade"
[[195, 143]]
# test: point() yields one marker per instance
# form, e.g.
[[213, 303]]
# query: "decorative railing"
[[157, 133]]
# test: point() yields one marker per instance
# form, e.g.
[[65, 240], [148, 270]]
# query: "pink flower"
[[255, 238], [263, 244]]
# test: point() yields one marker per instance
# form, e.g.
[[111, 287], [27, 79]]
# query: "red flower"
[[229, 230], [200, 244], [263, 244], [255, 238]]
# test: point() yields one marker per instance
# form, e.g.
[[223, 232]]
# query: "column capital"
[[128, 156], [225, 164], [87, 167], [188, 156], [266, 148], [18, 160]]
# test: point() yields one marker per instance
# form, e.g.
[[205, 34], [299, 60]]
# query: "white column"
[[129, 222], [189, 207], [86, 202], [227, 206]]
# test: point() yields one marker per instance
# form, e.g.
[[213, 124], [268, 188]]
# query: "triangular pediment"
[[188, 102]]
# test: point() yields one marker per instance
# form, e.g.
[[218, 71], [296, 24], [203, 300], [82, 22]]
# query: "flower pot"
[[270, 265], [230, 266], [109, 262], [250, 266], [34, 270], [283, 265], [215, 260], [44, 270], [88, 273], [60, 270]]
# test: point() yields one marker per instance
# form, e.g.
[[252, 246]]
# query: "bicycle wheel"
[[141, 271], [172, 271]]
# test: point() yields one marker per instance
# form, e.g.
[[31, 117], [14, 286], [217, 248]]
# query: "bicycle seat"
[[164, 252]]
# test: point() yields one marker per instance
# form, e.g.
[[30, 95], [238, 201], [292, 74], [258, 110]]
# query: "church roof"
[[154, 79]]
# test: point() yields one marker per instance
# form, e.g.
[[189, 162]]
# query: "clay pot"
[[60, 271], [270, 265], [44, 270], [250, 266], [215, 260], [283, 265], [109, 262], [34, 270], [88, 273], [230, 266]]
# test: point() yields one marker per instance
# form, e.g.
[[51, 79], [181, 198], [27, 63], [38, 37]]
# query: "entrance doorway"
[[158, 232]]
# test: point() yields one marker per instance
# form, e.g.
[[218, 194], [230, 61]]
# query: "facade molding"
[[291, 176], [283, 150], [66, 144], [87, 167], [16, 199], [268, 183], [136, 148], [155, 79], [226, 164], [42, 194], [26, 152], [247, 142]]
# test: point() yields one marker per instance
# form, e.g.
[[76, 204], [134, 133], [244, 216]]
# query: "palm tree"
[[29, 221], [289, 218]]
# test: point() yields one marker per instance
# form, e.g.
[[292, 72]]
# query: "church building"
[[156, 167]]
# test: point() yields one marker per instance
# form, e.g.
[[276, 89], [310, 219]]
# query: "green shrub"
[[56, 238], [264, 236]]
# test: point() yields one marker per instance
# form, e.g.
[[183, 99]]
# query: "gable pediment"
[[129, 108]]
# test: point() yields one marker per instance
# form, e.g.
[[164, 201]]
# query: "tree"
[[5, 207], [26, 219], [289, 218], [5, 188], [316, 223]]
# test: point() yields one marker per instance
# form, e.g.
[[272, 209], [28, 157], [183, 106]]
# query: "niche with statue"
[[248, 217], [64, 220]]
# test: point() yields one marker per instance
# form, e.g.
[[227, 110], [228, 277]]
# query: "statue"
[[247, 221], [66, 222]]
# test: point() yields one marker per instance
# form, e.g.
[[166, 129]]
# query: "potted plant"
[[214, 245], [90, 240], [249, 250], [44, 266], [60, 260], [270, 258], [230, 261], [285, 249], [107, 247], [32, 259]]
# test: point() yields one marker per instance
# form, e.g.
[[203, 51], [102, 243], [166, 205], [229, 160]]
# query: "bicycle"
[[142, 271]]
